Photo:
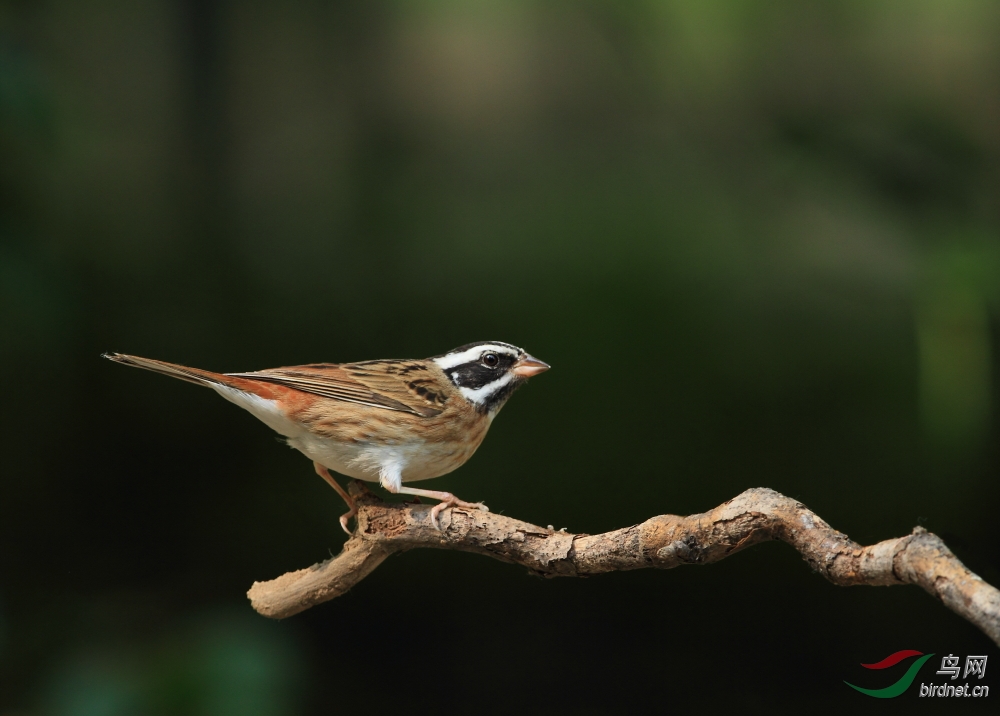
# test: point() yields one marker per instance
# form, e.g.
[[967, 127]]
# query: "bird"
[[388, 421]]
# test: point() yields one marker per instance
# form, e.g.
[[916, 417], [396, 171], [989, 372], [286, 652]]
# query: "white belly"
[[372, 461]]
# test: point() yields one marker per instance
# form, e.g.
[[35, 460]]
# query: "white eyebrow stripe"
[[471, 355], [478, 395]]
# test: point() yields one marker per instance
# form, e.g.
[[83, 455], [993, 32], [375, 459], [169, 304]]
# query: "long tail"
[[262, 399], [191, 375]]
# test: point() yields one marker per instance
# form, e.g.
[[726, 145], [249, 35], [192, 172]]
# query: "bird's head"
[[486, 373]]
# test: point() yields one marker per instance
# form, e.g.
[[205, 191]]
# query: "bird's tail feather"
[[192, 375]]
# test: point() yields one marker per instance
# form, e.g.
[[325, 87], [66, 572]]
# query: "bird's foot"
[[447, 500], [452, 501], [325, 474], [344, 518]]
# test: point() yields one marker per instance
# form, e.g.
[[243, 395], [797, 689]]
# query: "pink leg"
[[447, 500], [325, 474]]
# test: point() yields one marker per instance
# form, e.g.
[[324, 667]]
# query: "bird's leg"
[[391, 477], [325, 474], [447, 500]]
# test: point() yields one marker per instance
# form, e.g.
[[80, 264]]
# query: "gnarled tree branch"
[[666, 541]]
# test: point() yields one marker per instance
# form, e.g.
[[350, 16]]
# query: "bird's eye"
[[491, 360]]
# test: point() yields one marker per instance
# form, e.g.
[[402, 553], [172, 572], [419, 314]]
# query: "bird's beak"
[[527, 366]]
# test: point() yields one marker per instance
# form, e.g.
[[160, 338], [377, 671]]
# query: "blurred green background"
[[758, 242]]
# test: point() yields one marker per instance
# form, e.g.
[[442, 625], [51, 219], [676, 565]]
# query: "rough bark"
[[666, 541]]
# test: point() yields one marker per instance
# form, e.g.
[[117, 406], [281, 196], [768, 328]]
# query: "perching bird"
[[386, 421]]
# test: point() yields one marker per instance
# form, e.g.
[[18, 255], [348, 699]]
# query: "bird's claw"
[[344, 518], [454, 502]]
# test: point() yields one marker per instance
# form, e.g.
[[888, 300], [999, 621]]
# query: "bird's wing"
[[405, 386]]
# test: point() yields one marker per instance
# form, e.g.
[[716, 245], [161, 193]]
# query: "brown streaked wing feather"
[[368, 386], [412, 382]]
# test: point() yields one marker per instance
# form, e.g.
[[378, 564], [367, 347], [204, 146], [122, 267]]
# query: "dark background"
[[758, 242]]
